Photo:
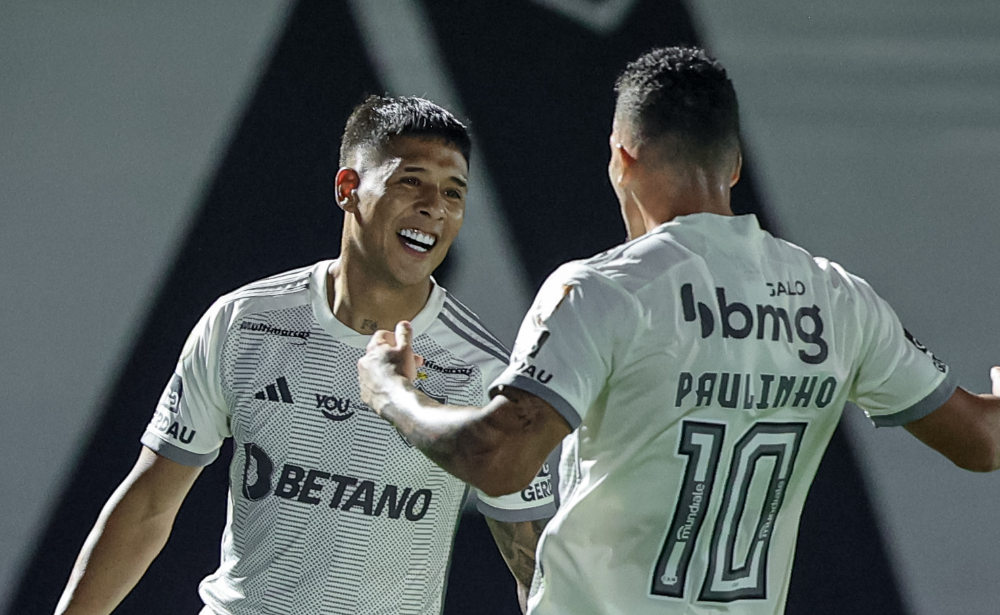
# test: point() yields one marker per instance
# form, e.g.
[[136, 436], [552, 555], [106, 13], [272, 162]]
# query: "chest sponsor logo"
[[766, 322], [336, 408], [314, 487], [297, 337], [459, 374]]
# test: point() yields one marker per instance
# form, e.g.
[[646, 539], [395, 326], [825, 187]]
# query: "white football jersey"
[[704, 367], [330, 509]]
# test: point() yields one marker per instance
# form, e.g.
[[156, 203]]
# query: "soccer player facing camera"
[[330, 509], [699, 371]]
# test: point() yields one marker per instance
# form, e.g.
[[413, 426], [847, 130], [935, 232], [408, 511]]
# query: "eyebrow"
[[458, 180]]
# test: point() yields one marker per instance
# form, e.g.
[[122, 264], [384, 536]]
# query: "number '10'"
[[726, 579]]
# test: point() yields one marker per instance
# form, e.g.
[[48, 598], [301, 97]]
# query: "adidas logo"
[[276, 392]]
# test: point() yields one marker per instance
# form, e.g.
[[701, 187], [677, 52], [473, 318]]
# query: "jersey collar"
[[342, 333], [744, 224]]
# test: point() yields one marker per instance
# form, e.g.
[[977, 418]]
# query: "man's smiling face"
[[410, 207]]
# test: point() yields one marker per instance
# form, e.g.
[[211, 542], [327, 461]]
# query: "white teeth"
[[421, 242]]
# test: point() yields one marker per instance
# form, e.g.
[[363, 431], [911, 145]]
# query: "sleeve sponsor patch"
[[171, 398], [938, 363]]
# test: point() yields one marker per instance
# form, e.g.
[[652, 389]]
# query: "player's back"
[[729, 356]]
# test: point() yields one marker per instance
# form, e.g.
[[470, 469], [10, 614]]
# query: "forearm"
[[460, 439], [517, 543], [129, 533], [985, 440], [498, 449], [966, 430], [117, 552]]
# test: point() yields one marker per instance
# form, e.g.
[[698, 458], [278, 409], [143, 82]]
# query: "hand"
[[388, 357]]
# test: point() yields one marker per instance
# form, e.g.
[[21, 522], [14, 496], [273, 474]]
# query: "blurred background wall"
[[155, 156]]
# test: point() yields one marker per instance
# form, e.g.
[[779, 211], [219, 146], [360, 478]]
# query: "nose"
[[432, 203]]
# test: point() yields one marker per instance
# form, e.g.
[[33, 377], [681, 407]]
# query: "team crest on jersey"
[[938, 363]]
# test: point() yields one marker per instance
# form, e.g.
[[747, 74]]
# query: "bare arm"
[[498, 449], [966, 429], [129, 533], [517, 543]]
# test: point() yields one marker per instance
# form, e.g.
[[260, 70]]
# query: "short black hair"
[[684, 95], [378, 119]]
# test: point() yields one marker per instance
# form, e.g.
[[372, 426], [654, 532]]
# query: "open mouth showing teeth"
[[421, 242]]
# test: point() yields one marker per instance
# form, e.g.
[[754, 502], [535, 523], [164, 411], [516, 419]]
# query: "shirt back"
[[704, 366]]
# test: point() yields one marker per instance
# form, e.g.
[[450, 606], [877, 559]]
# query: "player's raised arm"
[[966, 429], [498, 449], [130, 531]]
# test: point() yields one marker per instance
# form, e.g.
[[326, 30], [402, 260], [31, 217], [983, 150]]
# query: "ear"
[[628, 156], [346, 189], [736, 169], [626, 160]]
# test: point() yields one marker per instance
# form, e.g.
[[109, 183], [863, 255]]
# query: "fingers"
[[995, 378], [382, 338], [404, 335], [404, 341], [397, 347]]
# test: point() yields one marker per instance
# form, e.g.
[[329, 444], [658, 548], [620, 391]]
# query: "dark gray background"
[[874, 139]]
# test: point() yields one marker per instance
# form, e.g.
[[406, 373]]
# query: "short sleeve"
[[191, 420], [898, 380], [534, 502], [565, 346]]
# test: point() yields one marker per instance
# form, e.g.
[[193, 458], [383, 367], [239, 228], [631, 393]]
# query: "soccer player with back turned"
[[330, 510], [699, 369]]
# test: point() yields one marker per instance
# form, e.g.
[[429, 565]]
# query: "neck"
[[680, 191], [366, 302]]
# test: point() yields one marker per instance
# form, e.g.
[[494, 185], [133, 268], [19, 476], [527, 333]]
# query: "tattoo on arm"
[[517, 542]]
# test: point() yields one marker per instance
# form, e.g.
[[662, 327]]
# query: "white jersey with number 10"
[[704, 368]]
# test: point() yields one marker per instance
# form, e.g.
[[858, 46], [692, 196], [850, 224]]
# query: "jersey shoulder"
[[278, 285], [289, 289], [461, 331], [626, 268]]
